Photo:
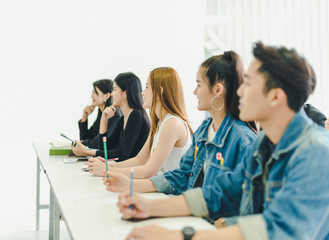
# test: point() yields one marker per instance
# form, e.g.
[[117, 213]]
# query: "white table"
[[89, 211]]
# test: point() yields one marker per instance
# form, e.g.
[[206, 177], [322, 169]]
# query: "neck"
[[276, 124], [126, 110], [102, 107], [217, 118], [161, 113]]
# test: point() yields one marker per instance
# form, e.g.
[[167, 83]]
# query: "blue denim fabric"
[[231, 141], [295, 202]]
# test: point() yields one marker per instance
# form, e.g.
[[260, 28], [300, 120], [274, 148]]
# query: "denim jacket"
[[222, 154], [295, 201]]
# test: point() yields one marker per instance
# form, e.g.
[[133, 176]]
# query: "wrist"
[[84, 118], [178, 235]]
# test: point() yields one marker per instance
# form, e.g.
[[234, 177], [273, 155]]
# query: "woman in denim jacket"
[[219, 143]]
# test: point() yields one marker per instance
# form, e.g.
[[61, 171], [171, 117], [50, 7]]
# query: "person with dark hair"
[[101, 98], [315, 114], [170, 134], [280, 190], [218, 144], [131, 130]]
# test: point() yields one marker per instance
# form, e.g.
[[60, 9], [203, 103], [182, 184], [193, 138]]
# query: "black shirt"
[[89, 136], [315, 114], [126, 143]]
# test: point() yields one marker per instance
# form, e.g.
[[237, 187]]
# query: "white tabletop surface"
[[90, 211]]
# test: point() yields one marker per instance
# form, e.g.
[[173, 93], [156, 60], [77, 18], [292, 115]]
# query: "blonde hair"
[[171, 99]]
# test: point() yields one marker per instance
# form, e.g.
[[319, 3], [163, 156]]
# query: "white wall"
[[50, 53], [299, 24]]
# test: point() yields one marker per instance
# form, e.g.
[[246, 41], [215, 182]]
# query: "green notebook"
[[60, 149]]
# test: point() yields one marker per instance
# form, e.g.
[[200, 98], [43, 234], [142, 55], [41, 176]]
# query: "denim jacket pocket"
[[219, 166], [271, 190]]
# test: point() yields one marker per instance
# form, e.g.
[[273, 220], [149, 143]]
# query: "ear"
[[161, 89], [107, 96], [218, 89], [276, 97]]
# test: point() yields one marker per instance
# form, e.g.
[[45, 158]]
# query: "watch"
[[188, 233]]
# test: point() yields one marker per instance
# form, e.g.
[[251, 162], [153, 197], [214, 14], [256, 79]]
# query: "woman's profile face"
[[118, 96], [202, 91], [147, 95], [98, 97]]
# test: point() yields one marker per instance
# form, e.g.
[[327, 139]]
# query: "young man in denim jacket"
[[281, 188]]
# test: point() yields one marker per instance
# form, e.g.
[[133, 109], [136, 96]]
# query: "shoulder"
[[137, 115], [203, 127], [174, 123], [243, 130]]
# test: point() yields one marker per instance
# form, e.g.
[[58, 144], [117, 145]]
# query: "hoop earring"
[[212, 105]]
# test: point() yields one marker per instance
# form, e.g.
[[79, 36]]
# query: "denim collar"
[[221, 134], [290, 138]]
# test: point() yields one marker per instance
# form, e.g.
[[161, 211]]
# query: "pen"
[[131, 185], [105, 153]]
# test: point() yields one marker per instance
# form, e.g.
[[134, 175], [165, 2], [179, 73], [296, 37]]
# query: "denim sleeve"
[[300, 209], [222, 199], [196, 202], [162, 185], [249, 225]]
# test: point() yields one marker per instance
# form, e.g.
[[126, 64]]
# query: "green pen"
[[105, 153]]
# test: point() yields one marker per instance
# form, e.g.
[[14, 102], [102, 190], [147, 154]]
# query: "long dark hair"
[[227, 69], [105, 86], [131, 84]]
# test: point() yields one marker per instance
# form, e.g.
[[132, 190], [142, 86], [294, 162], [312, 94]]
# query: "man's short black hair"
[[287, 70]]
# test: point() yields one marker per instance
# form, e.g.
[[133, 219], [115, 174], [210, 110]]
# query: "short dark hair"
[[226, 68], [106, 86], [288, 70]]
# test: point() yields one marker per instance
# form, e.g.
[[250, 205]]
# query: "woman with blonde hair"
[[170, 134]]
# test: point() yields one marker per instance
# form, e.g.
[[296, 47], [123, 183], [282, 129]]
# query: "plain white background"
[[52, 51]]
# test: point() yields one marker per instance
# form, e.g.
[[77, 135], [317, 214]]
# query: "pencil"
[[131, 185], [105, 153]]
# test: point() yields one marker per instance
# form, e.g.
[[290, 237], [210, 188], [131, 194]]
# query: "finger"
[[132, 235]]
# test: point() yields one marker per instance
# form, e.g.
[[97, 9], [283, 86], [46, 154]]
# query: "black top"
[[126, 143], [89, 136], [315, 114]]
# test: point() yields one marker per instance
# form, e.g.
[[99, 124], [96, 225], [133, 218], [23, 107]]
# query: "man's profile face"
[[254, 103]]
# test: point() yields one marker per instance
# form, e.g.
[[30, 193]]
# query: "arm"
[[299, 208], [160, 233], [173, 131], [128, 139], [117, 182], [140, 159], [83, 123], [144, 208]]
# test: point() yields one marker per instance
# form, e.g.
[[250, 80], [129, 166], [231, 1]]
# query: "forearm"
[[132, 162], [172, 207], [227, 233], [91, 153], [144, 186], [103, 126], [140, 172]]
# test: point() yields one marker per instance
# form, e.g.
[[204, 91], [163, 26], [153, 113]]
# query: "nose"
[[239, 91], [194, 92]]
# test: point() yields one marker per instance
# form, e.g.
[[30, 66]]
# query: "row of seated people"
[[224, 169]]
